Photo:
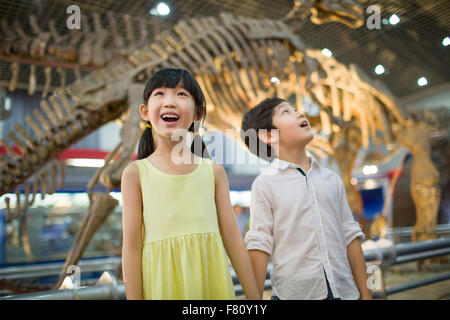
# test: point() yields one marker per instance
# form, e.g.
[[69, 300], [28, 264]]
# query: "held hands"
[[367, 296]]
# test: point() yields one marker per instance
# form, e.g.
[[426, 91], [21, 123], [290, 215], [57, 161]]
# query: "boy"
[[299, 215]]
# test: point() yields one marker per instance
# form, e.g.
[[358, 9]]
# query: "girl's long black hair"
[[170, 78]]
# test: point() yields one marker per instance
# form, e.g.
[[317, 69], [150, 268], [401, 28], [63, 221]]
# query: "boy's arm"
[[259, 238], [132, 232], [231, 236], [358, 265], [352, 234], [259, 260]]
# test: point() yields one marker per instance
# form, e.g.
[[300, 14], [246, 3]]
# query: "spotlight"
[[394, 19], [446, 41], [379, 69], [275, 80], [326, 52], [161, 9], [422, 82]]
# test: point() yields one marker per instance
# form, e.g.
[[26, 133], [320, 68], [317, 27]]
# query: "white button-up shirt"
[[304, 222]]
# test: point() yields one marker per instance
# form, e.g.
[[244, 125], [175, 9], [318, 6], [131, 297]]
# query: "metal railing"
[[403, 234], [108, 288], [407, 252], [390, 256], [404, 253], [54, 268]]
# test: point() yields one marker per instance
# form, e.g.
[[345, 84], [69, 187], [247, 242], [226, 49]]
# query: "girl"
[[175, 216]]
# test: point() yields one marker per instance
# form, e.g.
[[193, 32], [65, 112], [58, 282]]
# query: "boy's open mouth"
[[170, 117], [304, 124]]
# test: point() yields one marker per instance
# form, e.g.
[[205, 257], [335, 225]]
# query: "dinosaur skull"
[[348, 12]]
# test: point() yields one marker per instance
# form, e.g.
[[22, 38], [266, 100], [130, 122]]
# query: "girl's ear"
[[143, 111]]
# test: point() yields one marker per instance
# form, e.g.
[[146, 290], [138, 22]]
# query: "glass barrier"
[[47, 230]]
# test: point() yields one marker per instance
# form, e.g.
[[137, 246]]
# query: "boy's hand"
[[358, 265], [366, 296]]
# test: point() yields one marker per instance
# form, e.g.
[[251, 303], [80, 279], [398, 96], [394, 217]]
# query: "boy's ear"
[[264, 136], [269, 137]]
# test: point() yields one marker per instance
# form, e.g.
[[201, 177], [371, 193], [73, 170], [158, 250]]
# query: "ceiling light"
[[161, 9], [394, 19], [379, 69], [371, 169], [326, 52], [370, 184], [275, 80], [7, 103], [446, 41], [91, 163], [422, 82]]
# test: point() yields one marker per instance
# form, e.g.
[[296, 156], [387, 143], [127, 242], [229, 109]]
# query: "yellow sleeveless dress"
[[183, 256]]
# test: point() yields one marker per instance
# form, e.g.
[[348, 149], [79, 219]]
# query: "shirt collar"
[[279, 164]]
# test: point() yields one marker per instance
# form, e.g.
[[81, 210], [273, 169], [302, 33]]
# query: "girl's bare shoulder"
[[131, 171], [220, 175], [218, 169]]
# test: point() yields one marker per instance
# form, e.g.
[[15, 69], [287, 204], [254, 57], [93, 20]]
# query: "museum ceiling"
[[408, 50]]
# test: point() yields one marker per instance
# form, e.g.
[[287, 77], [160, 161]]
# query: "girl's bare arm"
[[132, 232], [232, 238]]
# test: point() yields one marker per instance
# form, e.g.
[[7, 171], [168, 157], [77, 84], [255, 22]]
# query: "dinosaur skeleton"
[[417, 135], [233, 59], [76, 50]]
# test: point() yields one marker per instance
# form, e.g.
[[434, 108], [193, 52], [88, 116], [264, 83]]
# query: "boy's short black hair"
[[258, 118]]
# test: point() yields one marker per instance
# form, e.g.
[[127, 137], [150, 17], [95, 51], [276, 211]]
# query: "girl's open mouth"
[[304, 124], [170, 117]]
